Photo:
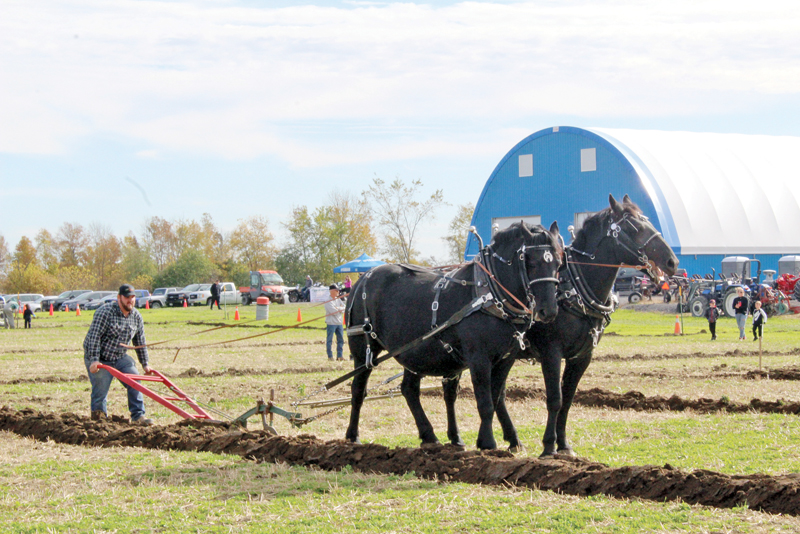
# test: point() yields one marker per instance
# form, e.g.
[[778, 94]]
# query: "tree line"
[[382, 221]]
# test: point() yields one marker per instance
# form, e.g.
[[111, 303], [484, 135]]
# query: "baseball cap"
[[126, 290], [334, 286]]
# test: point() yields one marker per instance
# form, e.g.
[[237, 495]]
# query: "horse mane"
[[515, 232], [596, 223]]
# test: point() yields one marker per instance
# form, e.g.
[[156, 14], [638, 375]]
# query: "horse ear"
[[626, 199], [554, 229], [615, 206]]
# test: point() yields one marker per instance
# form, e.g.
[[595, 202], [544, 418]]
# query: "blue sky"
[[243, 108]]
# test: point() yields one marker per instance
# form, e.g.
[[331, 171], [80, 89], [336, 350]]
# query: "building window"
[[581, 217], [588, 159], [501, 223], [525, 165]]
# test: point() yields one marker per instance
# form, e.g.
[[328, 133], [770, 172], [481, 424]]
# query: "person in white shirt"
[[334, 314], [759, 319]]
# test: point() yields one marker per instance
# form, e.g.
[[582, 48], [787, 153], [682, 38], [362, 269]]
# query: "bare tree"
[[456, 237], [398, 213]]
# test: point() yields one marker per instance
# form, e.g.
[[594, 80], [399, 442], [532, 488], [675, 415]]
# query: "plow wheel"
[[727, 303]]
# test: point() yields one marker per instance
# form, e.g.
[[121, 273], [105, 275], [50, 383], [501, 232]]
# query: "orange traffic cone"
[[185, 304], [236, 315], [77, 309], [299, 316], [678, 325], [51, 308], [67, 306], [147, 305]]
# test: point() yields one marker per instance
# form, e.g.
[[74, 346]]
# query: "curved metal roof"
[[721, 192]]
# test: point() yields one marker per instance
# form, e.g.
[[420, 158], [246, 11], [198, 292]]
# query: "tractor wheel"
[[783, 307], [797, 290], [698, 306], [246, 299], [293, 296], [634, 297], [727, 303]]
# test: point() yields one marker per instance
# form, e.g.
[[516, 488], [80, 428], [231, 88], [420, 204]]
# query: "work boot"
[[142, 420], [99, 415]]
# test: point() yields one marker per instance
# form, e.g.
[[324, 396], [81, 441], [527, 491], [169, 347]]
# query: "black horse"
[[440, 324], [615, 236]]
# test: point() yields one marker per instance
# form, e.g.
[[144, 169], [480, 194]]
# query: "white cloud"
[[220, 78]]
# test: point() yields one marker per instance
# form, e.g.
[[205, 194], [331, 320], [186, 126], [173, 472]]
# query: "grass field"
[[61, 488]]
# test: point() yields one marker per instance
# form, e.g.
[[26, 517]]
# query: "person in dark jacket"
[[215, 295], [712, 314], [741, 305], [27, 314], [759, 319]]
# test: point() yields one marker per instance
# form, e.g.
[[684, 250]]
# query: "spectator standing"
[[27, 314], [215, 295], [348, 284], [307, 288], [759, 319], [741, 305], [334, 314], [113, 327], [712, 314]]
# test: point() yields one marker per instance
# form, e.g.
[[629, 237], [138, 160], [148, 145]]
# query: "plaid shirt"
[[109, 329]]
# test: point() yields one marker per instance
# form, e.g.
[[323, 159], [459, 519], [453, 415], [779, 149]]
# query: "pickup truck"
[[227, 295], [264, 284], [158, 298]]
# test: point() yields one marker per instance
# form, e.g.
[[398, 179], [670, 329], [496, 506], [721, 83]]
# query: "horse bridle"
[[490, 254], [625, 241]]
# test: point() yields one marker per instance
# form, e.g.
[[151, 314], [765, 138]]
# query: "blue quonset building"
[[710, 195]]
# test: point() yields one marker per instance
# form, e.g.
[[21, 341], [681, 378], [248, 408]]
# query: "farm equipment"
[[262, 408], [701, 290]]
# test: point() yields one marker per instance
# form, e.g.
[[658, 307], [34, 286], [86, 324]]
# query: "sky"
[[117, 111]]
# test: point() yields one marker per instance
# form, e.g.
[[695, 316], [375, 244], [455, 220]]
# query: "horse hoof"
[[514, 449], [567, 452], [430, 445], [457, 446], [547, 454]]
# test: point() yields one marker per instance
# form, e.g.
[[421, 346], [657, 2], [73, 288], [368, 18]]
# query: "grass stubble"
[[60, 488]]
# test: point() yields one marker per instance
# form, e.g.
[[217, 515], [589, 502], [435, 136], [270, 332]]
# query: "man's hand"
[[146, 369], [93, 367]]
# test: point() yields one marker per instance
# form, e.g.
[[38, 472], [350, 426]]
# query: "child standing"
[[759, 318], [27, 314], [712, 314]]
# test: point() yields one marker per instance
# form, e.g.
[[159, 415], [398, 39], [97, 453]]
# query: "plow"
[[180, 403]]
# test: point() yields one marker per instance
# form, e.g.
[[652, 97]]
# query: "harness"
[[577, 297], [489, 296]]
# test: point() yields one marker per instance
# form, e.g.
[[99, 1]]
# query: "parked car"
[[628, 279], [15, 301], [227, 295], [66, 295], [158, 297], [97, 303], [84, 299], [142, 298], [177, 298]]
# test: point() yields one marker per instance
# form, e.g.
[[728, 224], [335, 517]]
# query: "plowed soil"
[[635, 400], [773, 494]]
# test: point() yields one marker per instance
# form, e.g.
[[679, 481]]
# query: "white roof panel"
[[723, 192]]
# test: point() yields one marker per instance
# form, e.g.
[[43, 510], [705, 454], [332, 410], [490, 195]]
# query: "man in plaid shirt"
[[113, 327]]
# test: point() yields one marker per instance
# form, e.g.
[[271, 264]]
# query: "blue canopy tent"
[[361, 264]]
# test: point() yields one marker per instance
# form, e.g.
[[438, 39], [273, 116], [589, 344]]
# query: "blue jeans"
[[339, 331], [101, 382], [741, 321]]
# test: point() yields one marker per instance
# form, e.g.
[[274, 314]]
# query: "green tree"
[[191, 267], [457, 232], [136, 262], [25, 275], [330, 235], [157, 238], [398, 213]]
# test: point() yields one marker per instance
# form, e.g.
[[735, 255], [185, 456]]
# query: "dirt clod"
[[574, 476]]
